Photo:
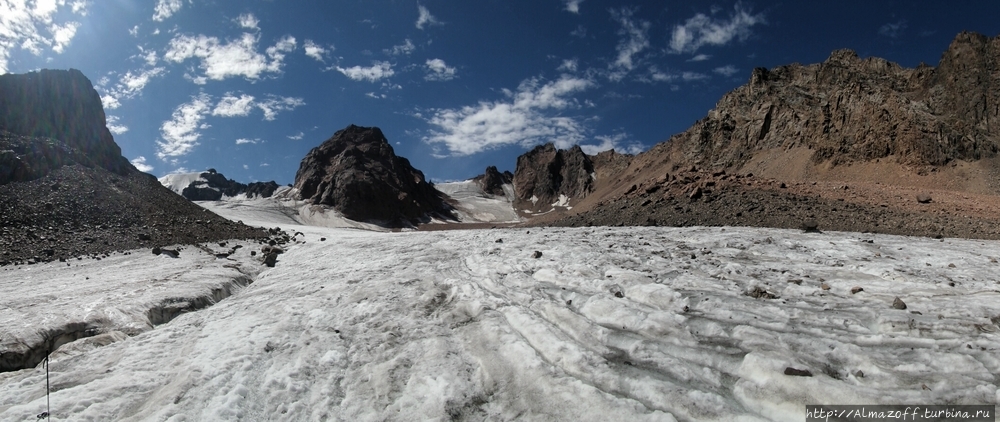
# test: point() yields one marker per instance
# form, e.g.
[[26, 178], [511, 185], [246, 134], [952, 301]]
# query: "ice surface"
[[476, 206], [455, 325]]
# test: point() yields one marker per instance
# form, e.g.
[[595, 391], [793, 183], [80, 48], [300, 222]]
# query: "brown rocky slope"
[[853, 141]]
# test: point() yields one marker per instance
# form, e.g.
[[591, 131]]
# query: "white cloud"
[[32, 26], [140, 164], [893, 30], [618, 142], [700, 58], [166, 8], [580, 32], [248, 21], [246, 167], [437, 70], [374, 95], [403, 49], [656, 75], [275, 104], [573, 5], [568, 66], [528, 117], [231, 105], [264, 164], [114, 127], [693, 76], [180, 134], [379, 70], [237, 58], [727, 70], [134, 31], [150, 58], [634, 39], [426, 18], [297, 136], [129, 86], [701, 30], [242, 141], [316, 51]]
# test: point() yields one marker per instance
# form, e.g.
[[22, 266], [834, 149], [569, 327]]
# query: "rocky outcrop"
[[357, 173], [848, 109], [212, 186], [53, 118], [492, 181], [545, 173], [66, 191]]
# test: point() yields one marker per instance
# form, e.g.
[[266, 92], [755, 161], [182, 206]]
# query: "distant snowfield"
[[443, 325], [475, 206]]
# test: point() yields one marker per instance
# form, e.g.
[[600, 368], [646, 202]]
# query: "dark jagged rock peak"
[[215, 186], [492, 180], [851, 109], [358, 174], [544, 173], [52, 118]]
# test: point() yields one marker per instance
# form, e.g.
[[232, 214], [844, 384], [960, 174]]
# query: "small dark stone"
[[810, 226], [797, 372], [499, 241], [855, 290], [537, 254], [270, 259], [859, 374], [923, 198], [253, 253], [322, 239], [760, 293], [156, 250], [616, 290], [144, 236], [898, 304]]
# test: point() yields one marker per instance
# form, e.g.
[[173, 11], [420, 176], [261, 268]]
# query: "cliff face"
[[847, 109], [216, 185], [545, 173], [63, 111], [357, 173]]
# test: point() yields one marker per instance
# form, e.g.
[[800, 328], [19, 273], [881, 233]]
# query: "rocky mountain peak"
[[546, 173], [357, 173], [63, 111], [492, 181]]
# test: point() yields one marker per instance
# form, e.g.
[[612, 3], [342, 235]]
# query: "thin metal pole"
[[48, 408]]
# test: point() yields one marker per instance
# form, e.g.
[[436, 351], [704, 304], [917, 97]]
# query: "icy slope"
[[178, 181], [457, 325], [476, 206]]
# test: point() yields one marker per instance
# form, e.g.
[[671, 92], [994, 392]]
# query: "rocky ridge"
[[65, 190], [358, 174], [492, 181], [215, 185], [545, 174]]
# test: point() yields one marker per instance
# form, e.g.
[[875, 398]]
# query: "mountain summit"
[[357, 173]]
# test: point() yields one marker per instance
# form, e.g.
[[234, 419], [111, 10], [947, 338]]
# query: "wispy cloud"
[[242, 141], [619, 142], [34, 27], [634, 39], [297, 136], [181, 133], [140, 164], [114, 127], [700, 58], [437, 70], [236, 58], [727, 70], [693, 76], [425, 18], [275, 104], [568, 65], [248, 21], [128, 86], [529, 116], [373, 73], [701, 30], [232, 106], [316, 51], [405, 48], [573, 6], [893, 29], [166, 8]]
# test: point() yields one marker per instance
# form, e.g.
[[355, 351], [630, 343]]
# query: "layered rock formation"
[[357, 173], [545, 176], [65, 189], [213, 185], [61, 121], [848, 109], [492, 181]]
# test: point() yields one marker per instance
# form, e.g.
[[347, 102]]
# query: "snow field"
[[454, 325]]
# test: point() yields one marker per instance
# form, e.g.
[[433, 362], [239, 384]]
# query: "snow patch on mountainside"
[[473, 205]]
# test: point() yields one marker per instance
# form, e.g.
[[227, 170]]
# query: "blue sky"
[[249, 87]]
